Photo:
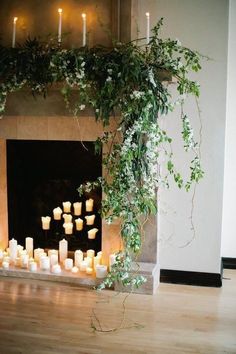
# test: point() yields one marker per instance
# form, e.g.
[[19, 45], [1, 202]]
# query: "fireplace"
[[41, 175]]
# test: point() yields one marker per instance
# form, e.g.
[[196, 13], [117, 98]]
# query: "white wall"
[[229, 201], [201, 25]]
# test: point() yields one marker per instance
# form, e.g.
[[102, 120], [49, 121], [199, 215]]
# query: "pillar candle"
[[33, 267], [37, 253], [90, 219], [6, 259], [57, 213], [66, 207], [46, 222], [90, 253], [53, 259], [12, 249], [89, 270], [63, 250], [96, 260], [89, 204], [44, 263], [79, 224], [67, 218], [24, 261], [99, 254], [56, 269], [92, 233], [5, 265], [59, 25], [19, 249], [148, 27], [68, 226], [75, 270], [50, 252], [18, 262], [89, 261], [84, 29], [77, 208], [78, 255], [29, 245], [112, 260], [83, 266], [14, 32], [101, 271], [68, 263]]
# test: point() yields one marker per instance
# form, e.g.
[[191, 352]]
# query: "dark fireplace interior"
[[40, 176]]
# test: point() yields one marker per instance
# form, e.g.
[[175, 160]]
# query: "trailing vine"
[[125, 81]]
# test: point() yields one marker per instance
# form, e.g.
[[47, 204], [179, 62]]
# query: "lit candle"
[[46, 222], [14, 32], [90, 219], [44, 263], [99, 254], [77, 208], [89, 261], [66, 207], [19, 249], [78, 257], [84, 29], [53, 259], [79, 224], [57, 213], [90, 253], [37, 253], [29, 246], [68, 263], [89, 204], [68, 226], [33, 267], [112, 260], [50, 252], [18, 262], [59, 25], [12, 249], [56, 269], [67, 218], [24, 260], [92, 233], [5, 265], [75, 270], [83, 266], [148, 27], [96, 261], [89, 270], [101, 271], [63, 250]]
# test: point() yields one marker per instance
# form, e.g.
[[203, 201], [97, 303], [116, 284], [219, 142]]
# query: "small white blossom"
[[82, 107]]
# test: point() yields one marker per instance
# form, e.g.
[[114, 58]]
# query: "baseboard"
[[191, 278], [229, 263]]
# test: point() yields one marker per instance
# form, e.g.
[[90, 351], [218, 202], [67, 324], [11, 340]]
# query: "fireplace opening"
[[41, 175]]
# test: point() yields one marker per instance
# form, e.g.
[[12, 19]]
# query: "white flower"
[[82, 64], [82, 107], [178, 42], [109, 79], [109, 71], [97, 110]]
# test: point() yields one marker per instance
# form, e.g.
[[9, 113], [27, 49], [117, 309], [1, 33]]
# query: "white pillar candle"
[[14, 32], [148, 27], [89, 261], [89, 270], [66, 207], [44, 263], [90, 253], [5, 265], [83, 266], [59, 25], [96, 260], [90, 219], [29, 245], [6, 259], [37, 253], [75, 270], [68, 263], [99, 254], [33, 267], [12, 249], [112, 260], [57, 213], [46, 222], [67, 218], [56, 269], [78, 255], [68, 226], [92, 233], [63, 250], [24, 261], [101, 271], [79, 224], [53, 259], [84, 29], [89, 204], [50, 252], [19, 249], [77, 208]]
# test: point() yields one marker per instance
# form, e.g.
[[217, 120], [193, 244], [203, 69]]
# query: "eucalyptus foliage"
[[125, 81]]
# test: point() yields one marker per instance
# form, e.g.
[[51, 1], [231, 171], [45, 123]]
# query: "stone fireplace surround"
[[40, 119]]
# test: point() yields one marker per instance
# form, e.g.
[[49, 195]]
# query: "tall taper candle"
[[13, 249], [148, 28], [59, 25], [84, 29], [29, 246], [63, 250], [14, 32]]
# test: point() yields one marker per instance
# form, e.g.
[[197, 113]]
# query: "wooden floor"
[[40, 317]]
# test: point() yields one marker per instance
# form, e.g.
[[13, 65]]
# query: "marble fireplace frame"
[[30, 121]]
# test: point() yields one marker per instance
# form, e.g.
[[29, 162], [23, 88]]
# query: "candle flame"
[[60, 11], [15, 19], [83, 15], [147, 14]]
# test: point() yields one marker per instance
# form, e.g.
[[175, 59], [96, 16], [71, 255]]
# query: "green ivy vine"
[[125, 81]]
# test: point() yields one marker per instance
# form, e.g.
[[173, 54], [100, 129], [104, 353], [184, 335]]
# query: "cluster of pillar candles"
[[84, 28], [68, 224], [53, 261]]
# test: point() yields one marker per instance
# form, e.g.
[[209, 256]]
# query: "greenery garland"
[[128, 79]]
